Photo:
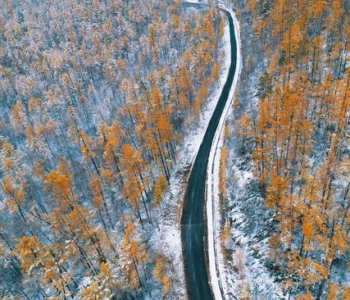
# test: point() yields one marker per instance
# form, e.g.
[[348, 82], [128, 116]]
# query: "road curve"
[[193, 224]]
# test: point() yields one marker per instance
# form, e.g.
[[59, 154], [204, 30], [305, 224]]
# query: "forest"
[[294, 132], [95, 99]]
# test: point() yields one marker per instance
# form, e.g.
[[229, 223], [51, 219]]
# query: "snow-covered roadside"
[[243, 257], [216, 259], [167, 239]]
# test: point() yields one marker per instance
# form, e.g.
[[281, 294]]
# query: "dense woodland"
[[298, 138], [95, 97]]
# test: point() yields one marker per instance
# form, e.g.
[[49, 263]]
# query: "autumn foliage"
[[300, 143], [95, 100]]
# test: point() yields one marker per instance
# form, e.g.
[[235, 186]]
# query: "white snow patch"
[[242, 177]]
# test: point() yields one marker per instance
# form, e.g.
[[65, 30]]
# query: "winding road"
[[193, 221]]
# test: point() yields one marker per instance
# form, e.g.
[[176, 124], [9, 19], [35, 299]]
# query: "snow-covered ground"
[[243, 273], [242, 257], [168, 238]]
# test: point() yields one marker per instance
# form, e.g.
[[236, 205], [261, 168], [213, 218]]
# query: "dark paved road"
[[193, 226]]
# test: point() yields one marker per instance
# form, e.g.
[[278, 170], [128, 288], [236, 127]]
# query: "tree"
[[159, 189], [135, 256]]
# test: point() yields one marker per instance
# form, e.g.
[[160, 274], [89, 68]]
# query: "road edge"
[[215, 272]]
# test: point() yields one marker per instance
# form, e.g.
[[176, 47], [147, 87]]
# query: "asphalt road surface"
[[193, 224]]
